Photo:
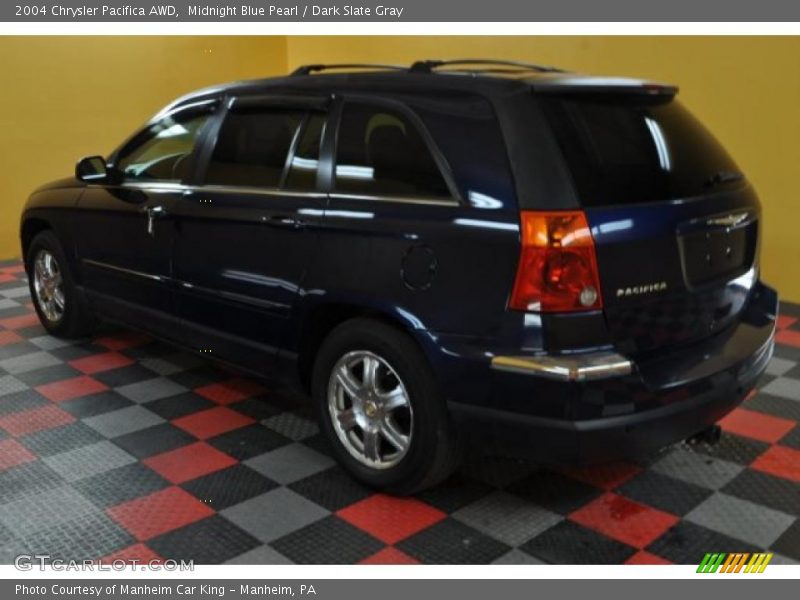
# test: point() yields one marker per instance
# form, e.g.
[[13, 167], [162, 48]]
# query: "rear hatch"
[[675, 223]]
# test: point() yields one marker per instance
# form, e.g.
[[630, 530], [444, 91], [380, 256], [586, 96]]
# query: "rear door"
[[675, 223], [245, 235]]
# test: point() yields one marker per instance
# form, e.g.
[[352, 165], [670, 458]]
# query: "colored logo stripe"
[[734, 562]]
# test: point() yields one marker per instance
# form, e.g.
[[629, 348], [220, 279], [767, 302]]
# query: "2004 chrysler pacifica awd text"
[[459, 252]]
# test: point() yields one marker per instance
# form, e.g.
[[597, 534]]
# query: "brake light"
[[557, 269]]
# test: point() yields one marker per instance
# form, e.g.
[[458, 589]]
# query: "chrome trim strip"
[[396, 199], [102, 265], [585, 367], [232, 189]]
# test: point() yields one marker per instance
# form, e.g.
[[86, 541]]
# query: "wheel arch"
[[320, 320]]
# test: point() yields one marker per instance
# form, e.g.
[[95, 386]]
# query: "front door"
[[245, 231], [126, 239]]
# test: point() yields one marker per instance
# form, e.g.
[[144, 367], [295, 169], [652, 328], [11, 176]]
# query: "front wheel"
[[380, 408], [61, 308]]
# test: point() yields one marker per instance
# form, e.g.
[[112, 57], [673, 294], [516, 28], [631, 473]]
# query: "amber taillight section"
[[557, 267]]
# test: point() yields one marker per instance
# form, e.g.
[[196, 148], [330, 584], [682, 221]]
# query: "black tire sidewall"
[[408, 361], [69, 322]]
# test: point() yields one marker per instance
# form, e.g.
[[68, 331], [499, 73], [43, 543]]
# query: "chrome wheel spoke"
[[345, 378], [371, 373], [372, 445], [392, 435], [394, 399]]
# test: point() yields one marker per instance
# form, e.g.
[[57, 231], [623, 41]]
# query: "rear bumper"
[[571, 419]]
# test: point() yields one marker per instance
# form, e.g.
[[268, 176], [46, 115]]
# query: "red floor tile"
[[12, 453], [389, 556], [6, 277], [391, 519], [645, 558], [97, 363], [606, 477], [189, 462], [123, 340], [67, 389], [211, 422], [756, 425], [230, 391], [624, 520], [16, 269], [10, 337], [785, 321], [780, 461], [36, 419], [20, 322], [159, 513], [138, 553], [788, 337]]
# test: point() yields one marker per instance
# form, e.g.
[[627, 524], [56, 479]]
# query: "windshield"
[[635, 148]]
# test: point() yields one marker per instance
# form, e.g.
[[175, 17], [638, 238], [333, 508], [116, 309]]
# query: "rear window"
[[636, 148]]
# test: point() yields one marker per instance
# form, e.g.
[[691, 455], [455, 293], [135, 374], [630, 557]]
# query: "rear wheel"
[[380, 409], [61, 308]]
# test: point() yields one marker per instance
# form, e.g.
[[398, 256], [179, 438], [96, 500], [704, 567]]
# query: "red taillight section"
[[557, 267]]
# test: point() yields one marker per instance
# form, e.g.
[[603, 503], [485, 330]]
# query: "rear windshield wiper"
[[721, 177]]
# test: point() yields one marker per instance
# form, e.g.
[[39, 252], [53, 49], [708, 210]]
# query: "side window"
[[161, 152], [303, 167], [252, 147], [380, 151]]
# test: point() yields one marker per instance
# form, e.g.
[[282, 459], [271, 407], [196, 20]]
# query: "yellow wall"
[[67, 97], [746, 89], [64, 97]]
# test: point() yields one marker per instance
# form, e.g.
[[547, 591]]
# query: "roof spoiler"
[[594, 85]]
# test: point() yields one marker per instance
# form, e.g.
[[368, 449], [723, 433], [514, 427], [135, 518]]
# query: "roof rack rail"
[[309, 69], [428, 66]]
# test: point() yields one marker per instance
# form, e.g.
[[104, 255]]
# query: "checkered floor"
[[123, 447]]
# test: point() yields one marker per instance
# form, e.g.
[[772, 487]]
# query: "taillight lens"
[[557, 267]]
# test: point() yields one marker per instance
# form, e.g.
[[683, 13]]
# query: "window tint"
[[379, 151], [161, 153], [252, 147], [303, 168], [634, 148]]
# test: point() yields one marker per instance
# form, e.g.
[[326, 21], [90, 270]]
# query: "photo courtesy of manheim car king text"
[[326, 300]]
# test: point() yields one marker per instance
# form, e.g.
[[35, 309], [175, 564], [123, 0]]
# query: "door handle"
[[153, 213], [284, 221]]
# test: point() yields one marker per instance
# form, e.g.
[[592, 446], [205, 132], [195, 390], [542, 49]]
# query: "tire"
[[73, 319], [431, 450]]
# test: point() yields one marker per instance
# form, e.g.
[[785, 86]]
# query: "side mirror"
[[91, 168]]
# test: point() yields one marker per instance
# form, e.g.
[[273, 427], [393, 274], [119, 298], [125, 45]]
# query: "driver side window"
[[162, 151]]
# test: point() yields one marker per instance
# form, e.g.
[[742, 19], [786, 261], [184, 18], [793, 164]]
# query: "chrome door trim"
[[397, 199], [110, 267]]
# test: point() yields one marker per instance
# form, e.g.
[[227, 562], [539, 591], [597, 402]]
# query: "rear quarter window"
[[634, 148]]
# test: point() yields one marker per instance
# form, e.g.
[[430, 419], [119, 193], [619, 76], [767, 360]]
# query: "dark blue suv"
[[458, 252]]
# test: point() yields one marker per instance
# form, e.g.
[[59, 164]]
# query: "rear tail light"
[[557, 267]]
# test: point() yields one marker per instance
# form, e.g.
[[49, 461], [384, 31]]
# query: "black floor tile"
[[332, 488], [92, 405], [328, 541], [230, 486], [554, 491], [665, 493], [766, 490], [250, 441], [452, 543], [120, 485], [570, 543], [211, 541], [178, 406], [154, 440], [686, 543]]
